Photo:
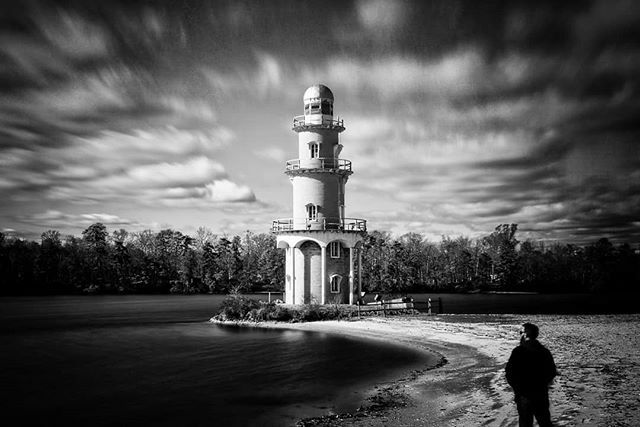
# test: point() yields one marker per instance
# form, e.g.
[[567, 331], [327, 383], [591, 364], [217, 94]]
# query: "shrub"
[[237, 307], [280, 313], [307, 313]]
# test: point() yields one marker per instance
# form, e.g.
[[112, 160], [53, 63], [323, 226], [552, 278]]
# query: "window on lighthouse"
[[334, 249], [314, 150], [335, 284], [327, 108], [312, 212]]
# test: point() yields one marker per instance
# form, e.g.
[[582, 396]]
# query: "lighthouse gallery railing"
[[319, 163], [320, 224], [310, 121]]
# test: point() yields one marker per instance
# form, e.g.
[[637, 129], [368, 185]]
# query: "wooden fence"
[[394, 306]]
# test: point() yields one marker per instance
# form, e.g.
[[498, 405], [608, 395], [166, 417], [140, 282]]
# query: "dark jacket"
[[530, 369]]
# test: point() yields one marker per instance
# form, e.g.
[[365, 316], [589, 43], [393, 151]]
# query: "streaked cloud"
[[53, 218], [74, 36], [193, 172], [459, 115]]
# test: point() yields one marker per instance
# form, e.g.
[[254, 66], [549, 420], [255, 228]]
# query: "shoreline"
[[436, 395], [470, 388]]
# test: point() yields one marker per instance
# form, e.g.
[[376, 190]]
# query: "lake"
[[503, 303], [105, 360]]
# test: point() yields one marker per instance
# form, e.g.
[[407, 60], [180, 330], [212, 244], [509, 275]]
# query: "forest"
[[169, 261]]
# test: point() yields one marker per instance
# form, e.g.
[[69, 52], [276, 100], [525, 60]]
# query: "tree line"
[[143, 262], [169, 261], [497, 262]]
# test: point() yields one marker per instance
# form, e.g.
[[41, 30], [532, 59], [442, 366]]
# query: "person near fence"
[[529, 372]]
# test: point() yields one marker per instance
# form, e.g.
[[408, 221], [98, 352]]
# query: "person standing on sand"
[[530, 371]]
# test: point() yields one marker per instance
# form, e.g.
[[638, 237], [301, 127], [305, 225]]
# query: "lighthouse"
[[323, 247]]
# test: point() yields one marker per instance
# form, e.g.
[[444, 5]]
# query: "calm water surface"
[[155, 360]]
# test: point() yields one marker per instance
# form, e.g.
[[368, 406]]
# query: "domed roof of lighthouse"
[[318, 91]]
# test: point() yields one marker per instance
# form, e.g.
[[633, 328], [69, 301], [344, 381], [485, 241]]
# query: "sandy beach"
[[597, 358]]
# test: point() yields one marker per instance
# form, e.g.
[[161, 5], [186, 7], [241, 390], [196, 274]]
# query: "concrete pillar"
[[351, 275], [293, 274], [323, 272], [359, 272]]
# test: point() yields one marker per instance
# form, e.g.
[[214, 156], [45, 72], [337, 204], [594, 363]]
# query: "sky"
[[459, 115]]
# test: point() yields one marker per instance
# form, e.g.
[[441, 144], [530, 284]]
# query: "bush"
[[307, 313], [237, 307], [315, 312], [280, 313]]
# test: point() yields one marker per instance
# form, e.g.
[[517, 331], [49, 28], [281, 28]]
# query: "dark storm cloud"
[[72, 68]]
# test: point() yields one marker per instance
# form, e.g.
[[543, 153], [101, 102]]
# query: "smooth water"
[[129, 360], [496, 303]]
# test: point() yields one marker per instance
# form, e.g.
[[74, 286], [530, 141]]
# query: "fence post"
[[429, 307], [358, 304], [439, 305], [384, 308]]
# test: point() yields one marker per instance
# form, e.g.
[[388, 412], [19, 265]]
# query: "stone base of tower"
[[320, 267]]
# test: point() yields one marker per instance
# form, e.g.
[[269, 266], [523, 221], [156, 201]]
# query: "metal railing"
[[299, 122], [320, 224], [319, 163]]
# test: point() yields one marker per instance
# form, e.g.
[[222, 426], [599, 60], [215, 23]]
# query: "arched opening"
[[312, 273], [335, 282]]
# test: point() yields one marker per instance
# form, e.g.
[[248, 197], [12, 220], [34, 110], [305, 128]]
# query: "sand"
[[598, 358]]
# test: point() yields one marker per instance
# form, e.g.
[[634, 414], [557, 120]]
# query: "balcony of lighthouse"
[[316, 121], [321, 224], [319, 164]]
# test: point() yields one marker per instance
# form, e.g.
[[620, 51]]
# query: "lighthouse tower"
[[322, 245]]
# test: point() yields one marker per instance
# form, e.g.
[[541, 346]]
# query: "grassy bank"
[[242, 308]]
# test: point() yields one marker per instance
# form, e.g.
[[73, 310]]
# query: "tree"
[[169, 249], [262, 263], [501, 248], [600, 257], [202, 237], [229, 262], [95, 242], [414, 255], [121, 260], [48, 261], [377, 256], [95, 236]]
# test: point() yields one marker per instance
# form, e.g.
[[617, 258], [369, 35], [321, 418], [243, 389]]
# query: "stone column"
[[351, 275], [359, 272], [293, 274], [323, 273]]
